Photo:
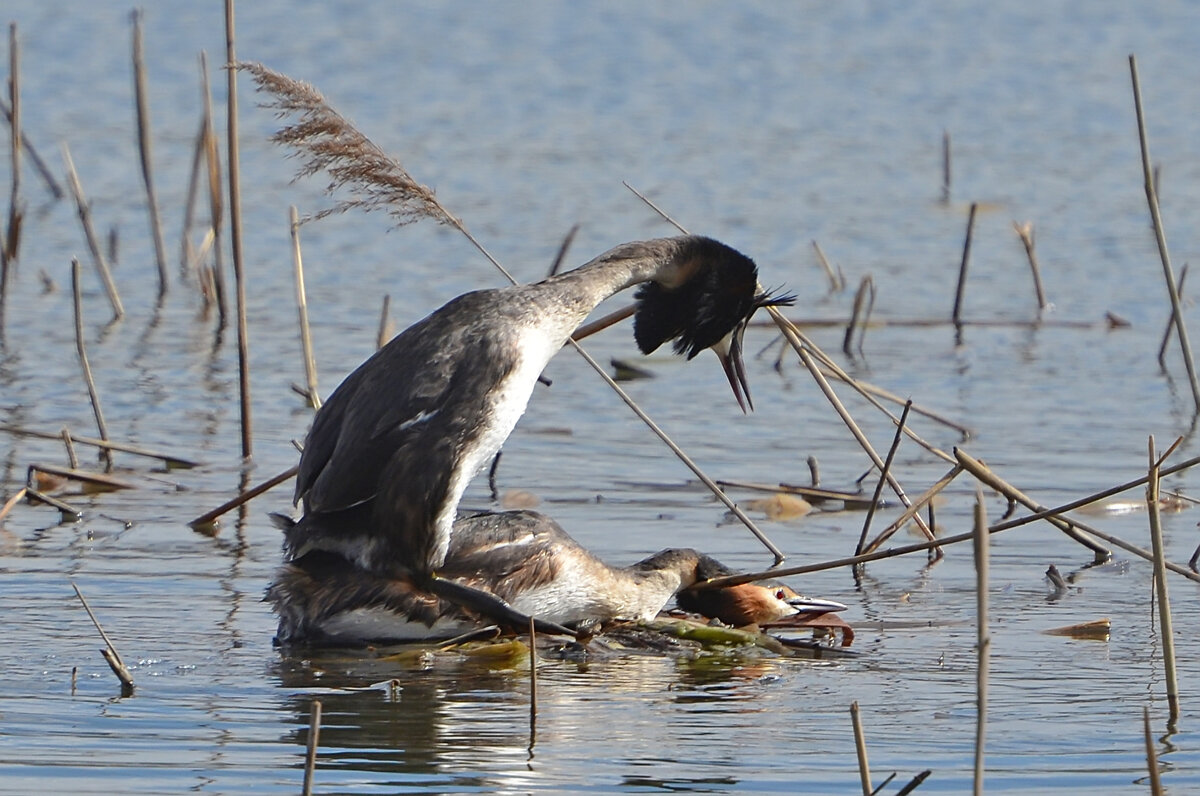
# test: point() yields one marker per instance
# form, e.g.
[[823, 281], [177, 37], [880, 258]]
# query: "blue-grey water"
[[767, 125]]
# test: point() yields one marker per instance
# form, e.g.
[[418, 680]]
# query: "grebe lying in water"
[[393, 448], [522, 557]]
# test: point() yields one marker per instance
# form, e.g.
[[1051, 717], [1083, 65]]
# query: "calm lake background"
[[766, 125]]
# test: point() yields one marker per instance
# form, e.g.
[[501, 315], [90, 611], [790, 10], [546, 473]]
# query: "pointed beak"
[[814, 605], [729, 351]]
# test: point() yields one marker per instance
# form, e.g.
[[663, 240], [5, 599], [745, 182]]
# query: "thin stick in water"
[[145, 149], [1025, 233], [310, 757], [860, 746], [568, 239], [85, 217], [70, 446], [310, 363], [984, 641], [532, 677], [170, 459], [215, 203], [109, 652], [253, 492], [860, 303], [1161, 237], [1160, 585], [956, 316], [836, 281], [83, 360], [235, 234], [887, 467]]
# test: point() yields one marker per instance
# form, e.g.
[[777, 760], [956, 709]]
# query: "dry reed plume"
[[325, 141]]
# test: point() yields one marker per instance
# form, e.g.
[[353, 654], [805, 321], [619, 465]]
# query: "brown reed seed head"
[[325, 141]]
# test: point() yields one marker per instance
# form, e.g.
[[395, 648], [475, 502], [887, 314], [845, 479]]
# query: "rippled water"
[[763, 124]]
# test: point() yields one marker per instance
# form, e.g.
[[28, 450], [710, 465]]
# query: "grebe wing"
[[399, 394], [508, 552]]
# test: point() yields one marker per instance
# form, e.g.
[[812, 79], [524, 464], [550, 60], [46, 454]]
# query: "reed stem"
[[235, 233], [1160, 584], [984, 641], [860, 747], [145, 148], [956, 316], [385, 322], [887, 467], [310, 363], [12, 237], [310, 757], [27, 147], [243, 497], [1166, 338], [836, 281], [1160, 237], [85, 217], [1025, 233], [81, 348], [110, 651], [169, 459], [945, 167], [1156, 788]]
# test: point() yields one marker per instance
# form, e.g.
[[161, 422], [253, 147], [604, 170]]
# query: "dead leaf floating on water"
[[1096, 630], [781, 506]]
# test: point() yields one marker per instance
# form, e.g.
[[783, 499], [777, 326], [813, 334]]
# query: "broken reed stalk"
[[85, 217], [984, 641], [1025, 233], [310, 363], [310, 757], [28, 147], [1160, 584], [244, 497], [860, 747], [235, 232], [956, 316], [13, 235], [945, 167], [1072, 529], [187, 253], [12, 501], [169, 459], [145, 148], [70, 446], [109, 652], [1166, 339], [329, 143], [887, 468], [64, 508], [925, 498], [83, 360], [212, 159], [384, 332], [1161, 238], [563, 248], [1151, 755], [836, 281], [914, 783], [1064, 524]]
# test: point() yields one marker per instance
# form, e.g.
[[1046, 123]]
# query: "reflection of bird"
[[748, 603], [392, 450], [522, 557]]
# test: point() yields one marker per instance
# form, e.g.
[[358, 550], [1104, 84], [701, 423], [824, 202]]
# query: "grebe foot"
[[492, 607]]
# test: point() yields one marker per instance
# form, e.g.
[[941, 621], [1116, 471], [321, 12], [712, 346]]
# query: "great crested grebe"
[[393, 448], [761, 602], [522, 557]]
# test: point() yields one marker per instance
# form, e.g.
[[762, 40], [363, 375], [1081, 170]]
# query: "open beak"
[[729, 351], [814, 605]]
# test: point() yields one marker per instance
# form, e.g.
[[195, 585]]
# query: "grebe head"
[[714, 298], [748, 603]]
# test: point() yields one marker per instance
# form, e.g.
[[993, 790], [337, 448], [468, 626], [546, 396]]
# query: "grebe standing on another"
[[393, 448]]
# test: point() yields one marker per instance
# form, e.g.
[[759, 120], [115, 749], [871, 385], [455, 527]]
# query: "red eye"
[[779, 594]]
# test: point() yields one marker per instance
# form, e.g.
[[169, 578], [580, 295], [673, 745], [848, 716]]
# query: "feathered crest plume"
[[325, 141]]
